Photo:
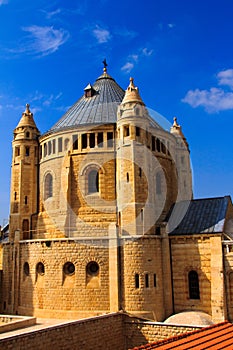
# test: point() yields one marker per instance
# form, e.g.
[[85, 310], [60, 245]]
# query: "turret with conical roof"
[[24, 184]]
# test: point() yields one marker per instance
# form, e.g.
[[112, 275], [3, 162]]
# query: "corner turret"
[[24, 183]]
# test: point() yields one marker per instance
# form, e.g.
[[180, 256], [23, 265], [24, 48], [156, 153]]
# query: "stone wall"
[[103, 332], [140, 332], [55, 292], [144, 257], [202, 254], [108, 332]]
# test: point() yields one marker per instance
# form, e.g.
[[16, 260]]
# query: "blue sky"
[[179, 52]]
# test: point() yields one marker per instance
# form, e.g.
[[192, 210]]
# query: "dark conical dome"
[[98, 105]]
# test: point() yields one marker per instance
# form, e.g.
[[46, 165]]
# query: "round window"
[[92, 268], [40, 268], [26, 268], [68, 268]]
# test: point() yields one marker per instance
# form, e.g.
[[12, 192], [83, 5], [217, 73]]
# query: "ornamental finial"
[[105, 65]]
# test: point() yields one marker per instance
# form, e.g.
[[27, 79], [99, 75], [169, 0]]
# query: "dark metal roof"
[[198, 216], [100, 108]]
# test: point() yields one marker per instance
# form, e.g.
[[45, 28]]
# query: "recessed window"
[[193, 279], [27, 151], [84, 141], [127, 177], [136, 280], [60, 144], [48, 186], [141, 214], [153, 141], [75, 141], [69, 268], [27, 134], [49, 148], [45, 149], [26, 269], [126, 130], [25, 229], [17, 151], [137, 131], [92, 140], [109, 139], [66, 144], [93, 181], [155, 282], [40, 270], [100, 139], [140, 172], [15, 196], [54, 146], [92, 268], [26, 200], [147, 280], [158, 145]]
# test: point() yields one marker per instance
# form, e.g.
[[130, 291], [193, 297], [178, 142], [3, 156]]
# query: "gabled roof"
[[218, 336], [199, 216], [100, 108]]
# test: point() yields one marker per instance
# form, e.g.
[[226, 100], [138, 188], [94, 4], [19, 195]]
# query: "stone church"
[[102, 217]]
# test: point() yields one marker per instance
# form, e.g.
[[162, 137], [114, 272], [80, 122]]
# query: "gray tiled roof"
[[199, 216], [101, 108]]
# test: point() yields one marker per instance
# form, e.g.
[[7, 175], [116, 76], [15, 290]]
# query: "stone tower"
[[24, 184], [146, 188]]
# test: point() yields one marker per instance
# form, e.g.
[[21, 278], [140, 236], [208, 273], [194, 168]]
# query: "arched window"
[[93, 181], [158, 183], [193, 279], [93, 275], [48, 186]]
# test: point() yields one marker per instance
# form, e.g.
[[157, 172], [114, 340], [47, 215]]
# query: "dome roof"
[[197, 318], [98, 105]]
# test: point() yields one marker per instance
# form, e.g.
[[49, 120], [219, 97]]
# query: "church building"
[[102, 217]]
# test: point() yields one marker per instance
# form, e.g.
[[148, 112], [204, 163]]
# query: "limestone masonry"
[[103, 219]]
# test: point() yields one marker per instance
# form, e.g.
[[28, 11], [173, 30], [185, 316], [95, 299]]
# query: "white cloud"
[[147, 52], [41, 41], [226, 77], [3, 2], [127, 67], [215, 99], [135, 58], [102, 35], [52, 13]]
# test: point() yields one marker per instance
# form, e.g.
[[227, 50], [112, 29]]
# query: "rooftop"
[[98, 105], [205, 215], [215, 337]]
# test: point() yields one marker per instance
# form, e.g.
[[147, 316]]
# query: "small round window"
[[69, 268], [92, 268], [26, 268], [40, 268]]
